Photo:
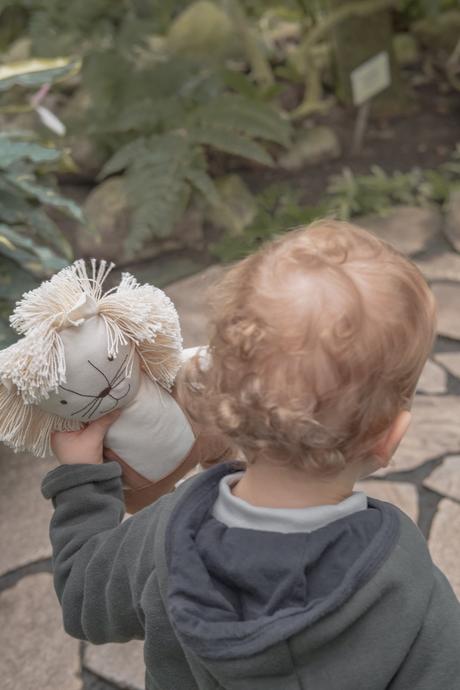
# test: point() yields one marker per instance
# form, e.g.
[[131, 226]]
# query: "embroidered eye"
[[110, 358], [63, 402]]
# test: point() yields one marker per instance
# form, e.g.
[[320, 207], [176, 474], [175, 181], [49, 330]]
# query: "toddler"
[[275, 574]]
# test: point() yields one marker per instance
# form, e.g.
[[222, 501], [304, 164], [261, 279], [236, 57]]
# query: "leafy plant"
[[31, 244], [416, 9], [280, 210], [350, 195], [167, 116], [57, 27], [34, 73], [156, 109]]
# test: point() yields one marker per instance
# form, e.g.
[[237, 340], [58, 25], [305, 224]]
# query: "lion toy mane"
[[85, 352]]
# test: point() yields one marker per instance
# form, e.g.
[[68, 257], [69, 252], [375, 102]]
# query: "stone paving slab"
[[36, 653], [24, 514], [121, 664], [408, 228], [433, 379], [401, 494], [448, 300], [434, 431], [445, 479], [452, 224], [444, 542], [444, 266], [190, 297], [451, 361]]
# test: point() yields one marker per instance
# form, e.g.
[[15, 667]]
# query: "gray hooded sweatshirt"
[[355, 605]]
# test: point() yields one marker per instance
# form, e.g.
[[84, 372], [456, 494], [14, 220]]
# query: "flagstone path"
[[423, 480]]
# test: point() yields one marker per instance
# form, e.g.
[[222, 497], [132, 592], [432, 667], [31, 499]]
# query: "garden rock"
[[108, 215], [237, 208], [87, 155], [311, 147], [452, 224], [448, 299], [408, 228], [204, 29]]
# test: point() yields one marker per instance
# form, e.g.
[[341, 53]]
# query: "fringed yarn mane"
[[34, 367]]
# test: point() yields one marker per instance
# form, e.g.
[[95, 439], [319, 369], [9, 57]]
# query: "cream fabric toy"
[[85, 353]]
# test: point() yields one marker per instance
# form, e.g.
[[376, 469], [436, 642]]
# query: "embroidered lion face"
[[83, 353]]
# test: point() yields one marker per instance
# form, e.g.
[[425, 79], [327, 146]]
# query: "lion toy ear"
[[146, 316]]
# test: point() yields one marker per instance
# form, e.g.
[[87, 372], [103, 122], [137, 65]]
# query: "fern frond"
[[157, 188], [230, 142], [146, 115], [204, 184], [123, 158], [245, 116]]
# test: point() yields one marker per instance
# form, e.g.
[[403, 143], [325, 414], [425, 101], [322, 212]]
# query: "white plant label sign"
[[370, 78]]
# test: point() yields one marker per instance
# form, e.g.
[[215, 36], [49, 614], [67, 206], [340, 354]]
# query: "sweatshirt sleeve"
[[100, 563], [434, 660]]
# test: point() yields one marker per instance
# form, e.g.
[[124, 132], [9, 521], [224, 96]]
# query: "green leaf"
[[24, 134], [204, 184], [232, 143], [16, 210], [14, 281], [36, 72], [146, 116], [24, 251], [157, 187], [124, 157], [244, 116], [240, 83], [45, 195], [13, 151]]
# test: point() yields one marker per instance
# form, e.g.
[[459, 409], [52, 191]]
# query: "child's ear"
[[387, 446]]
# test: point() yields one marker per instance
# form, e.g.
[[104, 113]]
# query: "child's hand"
[[83, 446]]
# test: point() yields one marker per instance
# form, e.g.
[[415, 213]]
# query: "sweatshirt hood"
[[234, 592]]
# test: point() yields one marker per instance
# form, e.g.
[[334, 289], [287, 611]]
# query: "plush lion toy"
[[85, 353]]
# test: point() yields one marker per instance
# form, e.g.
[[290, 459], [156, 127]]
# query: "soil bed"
[[426, 138]]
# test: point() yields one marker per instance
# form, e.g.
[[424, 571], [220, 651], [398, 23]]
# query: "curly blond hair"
[[317, 342]]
